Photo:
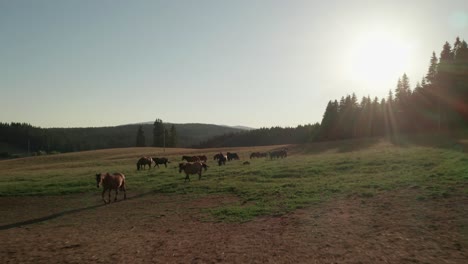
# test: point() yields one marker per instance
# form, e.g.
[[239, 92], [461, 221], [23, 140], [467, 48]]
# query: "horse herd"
[[193, 165]]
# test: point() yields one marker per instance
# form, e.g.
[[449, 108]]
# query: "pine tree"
[[173, 137], [158, 133], [432, 72], [390, 97], [328, 121], [140, 139], [399, 93]]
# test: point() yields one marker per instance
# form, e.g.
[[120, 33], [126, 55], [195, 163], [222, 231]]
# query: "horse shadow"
[[67, 212]]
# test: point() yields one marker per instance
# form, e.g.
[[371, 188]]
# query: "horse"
[[254, 155], [143, 161], [278, 154], [217, 156], [111, 182], [203, 158], [158, 161], [232, 156], [191, 158], [192, 168], [258, 155], [222, 160]]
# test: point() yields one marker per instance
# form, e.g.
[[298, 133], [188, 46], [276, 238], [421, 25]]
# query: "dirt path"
[[390, 228]]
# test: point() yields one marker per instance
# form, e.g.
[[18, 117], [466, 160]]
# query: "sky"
[[255, 63]]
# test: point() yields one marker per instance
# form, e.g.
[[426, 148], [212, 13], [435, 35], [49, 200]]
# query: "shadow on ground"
[[67, 212]]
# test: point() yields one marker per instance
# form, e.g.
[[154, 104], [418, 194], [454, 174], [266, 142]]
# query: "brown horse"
[[218, 156], [278, 154], [258, 155], [191, 158], [143, 161], [192, 168], [111, 182], [203, 158], [158, 161], [232, 156], [221, 158]]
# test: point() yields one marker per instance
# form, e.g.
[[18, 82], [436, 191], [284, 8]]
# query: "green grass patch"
[[265, 187]]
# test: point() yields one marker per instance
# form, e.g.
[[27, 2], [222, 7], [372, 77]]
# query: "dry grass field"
[[361, 201]]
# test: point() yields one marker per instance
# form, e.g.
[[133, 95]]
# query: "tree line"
[[162, 137], [439, 102], [264, 137], [21, 138]]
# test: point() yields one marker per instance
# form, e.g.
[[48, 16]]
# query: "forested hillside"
[[264, 137], [18, 137]]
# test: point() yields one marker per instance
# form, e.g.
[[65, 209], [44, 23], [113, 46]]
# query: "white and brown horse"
[[111, 182], [143, 161], [221, 158]]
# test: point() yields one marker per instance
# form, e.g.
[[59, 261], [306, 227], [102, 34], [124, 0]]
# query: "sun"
[[377, 58]]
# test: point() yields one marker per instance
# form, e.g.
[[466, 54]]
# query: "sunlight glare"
[[378, 58]]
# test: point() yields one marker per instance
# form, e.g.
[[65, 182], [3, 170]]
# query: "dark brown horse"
[[278, 154], [258, 155], [158, 161], [191, 158], [232, 156], [192, 168], [221, 158], [203, 158], [143, 161], [111, 182]]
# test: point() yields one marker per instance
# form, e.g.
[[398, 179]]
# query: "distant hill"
[[15, 137], [242, 127], [169, 124], [189, 134]]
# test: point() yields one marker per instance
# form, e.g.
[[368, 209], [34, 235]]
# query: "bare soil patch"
[[153, 228]]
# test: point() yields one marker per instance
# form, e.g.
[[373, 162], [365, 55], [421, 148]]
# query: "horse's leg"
[[125, 191], [165, 164], [199, 175], [110, 190], [103, 192], [116, 193]]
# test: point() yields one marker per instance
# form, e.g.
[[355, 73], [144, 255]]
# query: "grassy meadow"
[[311, 173]]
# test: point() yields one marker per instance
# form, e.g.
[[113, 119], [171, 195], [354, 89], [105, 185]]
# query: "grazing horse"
[[218, 156], [158, 161], [254, 155], [111, 182], [278, 154], [203, 158], [191, 158], [258, 155], [232, 156], [143, 161], [192, 168], [221, 158]]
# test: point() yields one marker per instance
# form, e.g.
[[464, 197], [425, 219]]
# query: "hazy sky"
[[254, 63]]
